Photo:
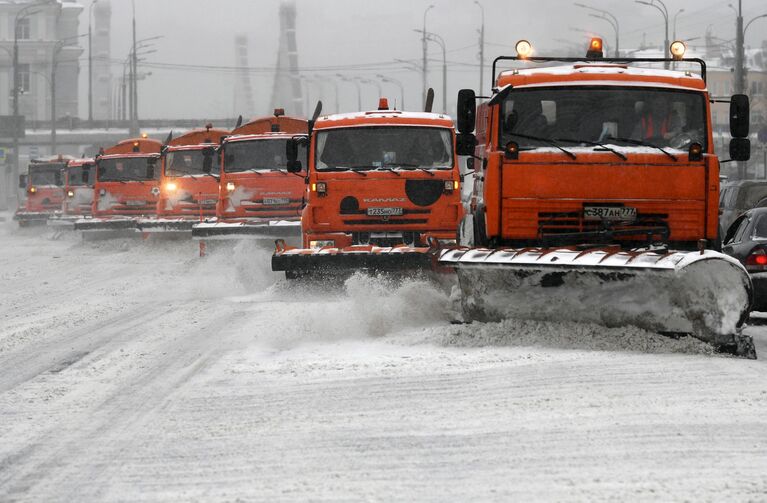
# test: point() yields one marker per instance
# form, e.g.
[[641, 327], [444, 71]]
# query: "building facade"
[[49, 49]]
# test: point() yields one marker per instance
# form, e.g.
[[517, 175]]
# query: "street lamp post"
[[675, 16], [21, 14], [741, 50], [481, 49], [375, 83], [436, 38], [397, 83], [664, 11], [425, 54], [610, 18], [90, 62]]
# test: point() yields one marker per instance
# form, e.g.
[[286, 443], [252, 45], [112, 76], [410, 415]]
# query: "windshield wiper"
[[593, 144], [551, 142], [354, 169], [278, 171], [644, 144], [415, 166], [385, 168]]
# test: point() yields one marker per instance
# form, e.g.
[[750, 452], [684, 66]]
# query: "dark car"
[[746, 240], [735, 198]]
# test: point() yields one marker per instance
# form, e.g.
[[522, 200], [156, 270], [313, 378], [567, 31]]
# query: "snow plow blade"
[[266, 229], [339, 262], [63, 222], [105, 224], [165, 225], [28, 218], [706, 294]]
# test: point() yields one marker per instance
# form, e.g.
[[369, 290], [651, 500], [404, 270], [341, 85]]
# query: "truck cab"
[[79, 177], [44, 185], [383, 178], [127, 179], [257, 197], [189, 175], [593, 151]]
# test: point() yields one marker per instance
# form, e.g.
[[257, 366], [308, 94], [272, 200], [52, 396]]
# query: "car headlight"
[[321, 243], [230, 186]]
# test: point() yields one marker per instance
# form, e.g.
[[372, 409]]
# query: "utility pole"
[[90, 62], [134, 127], [424, 68], [739, 50], [481, 50], [664, 11]]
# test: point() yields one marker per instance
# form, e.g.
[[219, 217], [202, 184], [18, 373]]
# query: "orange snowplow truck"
[[188, 181], [78, 193], [258, 198], [595, 181], [383, 186], [44, 184], [126, 186]]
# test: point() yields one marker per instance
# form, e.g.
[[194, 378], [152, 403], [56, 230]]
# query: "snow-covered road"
[[135, 371]]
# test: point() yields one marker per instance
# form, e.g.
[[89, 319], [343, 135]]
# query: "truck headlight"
[[171, 187], [230, 186], [70, 193]]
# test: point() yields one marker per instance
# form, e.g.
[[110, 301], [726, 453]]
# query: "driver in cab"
[[657, 120]]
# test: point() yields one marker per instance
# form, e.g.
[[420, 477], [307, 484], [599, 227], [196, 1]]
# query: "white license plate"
[[208, 201], [272, 201], [619, 213], [384, 212], [135, 203]]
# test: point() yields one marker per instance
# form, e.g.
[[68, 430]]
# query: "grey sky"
[[344, 33]]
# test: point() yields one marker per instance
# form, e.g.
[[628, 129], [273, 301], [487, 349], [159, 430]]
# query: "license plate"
[[135, 203], [208, 201], [619, 213], [276, 200], [384, 212]]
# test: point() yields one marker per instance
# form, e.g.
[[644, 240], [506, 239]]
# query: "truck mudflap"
[[166, 225], [705, 294], [333, 261], [251, 229]]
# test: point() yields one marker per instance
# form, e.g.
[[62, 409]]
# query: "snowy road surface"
[[135, 371]]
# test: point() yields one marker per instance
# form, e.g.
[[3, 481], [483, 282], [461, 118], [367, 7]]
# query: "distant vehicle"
[[78, 187], [746, 240], [44, 185], [737, 197]]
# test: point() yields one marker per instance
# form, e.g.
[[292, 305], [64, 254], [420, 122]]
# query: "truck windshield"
[[190, 162], [46, 176], [126, 169], [405, 147], [623, 116], [75, 175], [257, 155]]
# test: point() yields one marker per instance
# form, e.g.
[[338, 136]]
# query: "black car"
[[746, 240], [735, 198]]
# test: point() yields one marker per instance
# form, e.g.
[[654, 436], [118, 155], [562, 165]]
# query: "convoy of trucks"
[[594, 194]]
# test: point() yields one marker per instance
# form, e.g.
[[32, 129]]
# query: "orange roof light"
[[383, 104], [144, 135], [595, 49]]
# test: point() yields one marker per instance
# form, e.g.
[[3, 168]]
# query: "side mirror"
[[465, 143], [467, 110], [739, 116], [740, 149], [23, 181], [291, 154]]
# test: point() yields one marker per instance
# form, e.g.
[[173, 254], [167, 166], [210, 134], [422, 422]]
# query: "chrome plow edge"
[[707, 295]]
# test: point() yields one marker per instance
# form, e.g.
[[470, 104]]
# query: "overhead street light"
[[664, 11]]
